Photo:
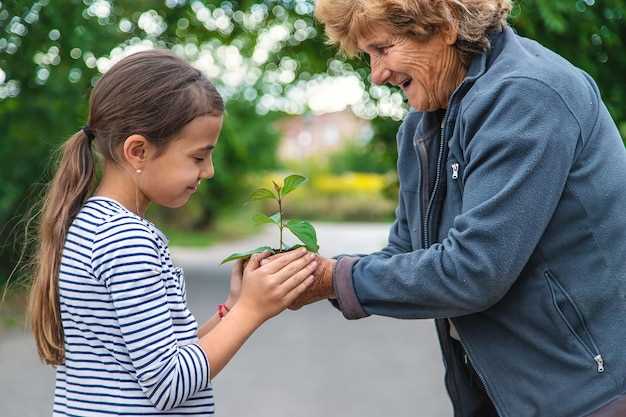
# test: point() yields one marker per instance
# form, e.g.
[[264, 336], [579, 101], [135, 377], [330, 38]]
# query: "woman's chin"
[[422, 105], [418, 104]]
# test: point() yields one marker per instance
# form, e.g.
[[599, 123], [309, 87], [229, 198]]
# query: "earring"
[[138, 171]]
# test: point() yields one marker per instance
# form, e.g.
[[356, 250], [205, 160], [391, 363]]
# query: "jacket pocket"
[[574, 320]]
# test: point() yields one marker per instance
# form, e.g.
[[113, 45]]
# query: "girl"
[[107, 306]]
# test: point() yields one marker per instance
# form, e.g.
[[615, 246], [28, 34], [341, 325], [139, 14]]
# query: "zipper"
[[591, 347], [600, 362], [442, 147], [426, 236], [455, 171]]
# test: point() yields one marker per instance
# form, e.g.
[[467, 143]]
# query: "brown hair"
[[152, 93], [346, 21]]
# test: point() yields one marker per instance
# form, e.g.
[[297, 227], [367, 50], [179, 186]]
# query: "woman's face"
[[426, 71]]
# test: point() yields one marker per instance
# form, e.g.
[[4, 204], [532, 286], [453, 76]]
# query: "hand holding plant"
[[269, 289], [322, 287]]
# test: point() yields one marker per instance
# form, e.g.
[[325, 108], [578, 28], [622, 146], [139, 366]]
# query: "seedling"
[[303, 230]]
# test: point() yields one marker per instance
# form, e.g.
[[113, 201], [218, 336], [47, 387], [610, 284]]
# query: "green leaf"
[[262, 219], [277, 188], [305, 232], [244, 255], [261, 194], [292, 182], [292, 247], [276, 218]]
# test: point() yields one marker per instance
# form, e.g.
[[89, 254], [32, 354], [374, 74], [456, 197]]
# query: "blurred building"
[[308, 136]]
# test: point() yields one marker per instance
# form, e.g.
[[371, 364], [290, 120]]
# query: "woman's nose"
[[380, 74]]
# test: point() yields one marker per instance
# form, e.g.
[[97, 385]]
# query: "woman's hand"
[[268, 289], [322, 287]]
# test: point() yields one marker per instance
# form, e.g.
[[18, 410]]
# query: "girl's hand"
[[269, 289], [236, 275]]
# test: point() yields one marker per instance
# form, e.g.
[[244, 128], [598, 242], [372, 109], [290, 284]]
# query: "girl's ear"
[[136, 151]]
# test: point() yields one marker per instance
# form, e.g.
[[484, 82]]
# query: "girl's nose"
[[207, 171]]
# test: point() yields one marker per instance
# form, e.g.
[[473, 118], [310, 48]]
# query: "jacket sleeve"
[[126, 259], [519, 141]]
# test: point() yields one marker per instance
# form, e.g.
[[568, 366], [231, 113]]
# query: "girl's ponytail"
[[66, 193]]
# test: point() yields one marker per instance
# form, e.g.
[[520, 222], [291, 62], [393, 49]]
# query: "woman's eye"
[[382, 50], [198, 158]]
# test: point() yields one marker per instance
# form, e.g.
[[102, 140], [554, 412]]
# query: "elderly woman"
[[511, 219]]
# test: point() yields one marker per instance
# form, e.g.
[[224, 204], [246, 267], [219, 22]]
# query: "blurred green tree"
[[262, 55], [591, 34]]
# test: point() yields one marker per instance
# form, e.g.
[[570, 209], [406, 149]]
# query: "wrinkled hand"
[[322, 286]]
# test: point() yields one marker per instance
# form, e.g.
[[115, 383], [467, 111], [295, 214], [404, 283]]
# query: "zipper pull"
[[455, 171], [600, 363]]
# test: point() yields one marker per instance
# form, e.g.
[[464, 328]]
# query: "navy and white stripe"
[[131, 344]]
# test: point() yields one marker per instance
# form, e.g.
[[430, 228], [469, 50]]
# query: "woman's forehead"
[[368, 36], [372, 38]]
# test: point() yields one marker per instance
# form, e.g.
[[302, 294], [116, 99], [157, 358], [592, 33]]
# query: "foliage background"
[[51, 53]]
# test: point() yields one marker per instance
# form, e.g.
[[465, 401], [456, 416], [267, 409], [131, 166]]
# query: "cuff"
[[347, 300], [204, 371]]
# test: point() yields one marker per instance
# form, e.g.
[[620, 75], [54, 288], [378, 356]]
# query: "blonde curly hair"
[[346, 21]]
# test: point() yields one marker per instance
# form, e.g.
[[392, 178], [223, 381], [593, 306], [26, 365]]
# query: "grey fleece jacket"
[[511, 223]]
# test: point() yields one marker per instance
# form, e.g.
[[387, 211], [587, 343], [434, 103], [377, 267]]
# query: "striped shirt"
[[131, 344]]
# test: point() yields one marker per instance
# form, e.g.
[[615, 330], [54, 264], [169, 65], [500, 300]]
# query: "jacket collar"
[[480, 62]]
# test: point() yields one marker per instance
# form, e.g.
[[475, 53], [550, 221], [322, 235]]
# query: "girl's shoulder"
[[109, 218], [122, 241]]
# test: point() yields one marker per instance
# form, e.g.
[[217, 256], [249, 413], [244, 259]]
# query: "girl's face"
[[170, 178]]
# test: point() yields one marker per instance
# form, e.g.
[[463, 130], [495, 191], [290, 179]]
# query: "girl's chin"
[[178, 203], [184, 200]]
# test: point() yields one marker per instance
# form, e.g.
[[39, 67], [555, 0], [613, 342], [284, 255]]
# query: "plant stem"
[[280, 211]]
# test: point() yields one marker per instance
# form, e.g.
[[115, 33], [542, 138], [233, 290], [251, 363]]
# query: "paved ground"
[[306, 363]]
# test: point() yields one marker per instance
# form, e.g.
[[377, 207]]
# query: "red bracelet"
[[222, 309]]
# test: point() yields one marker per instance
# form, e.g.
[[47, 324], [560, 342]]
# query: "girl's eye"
[[198, 158]]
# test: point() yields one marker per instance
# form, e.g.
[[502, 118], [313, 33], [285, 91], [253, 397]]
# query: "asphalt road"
[[311, 362]]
